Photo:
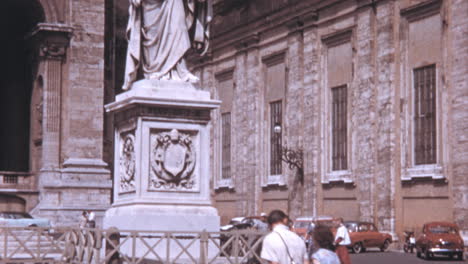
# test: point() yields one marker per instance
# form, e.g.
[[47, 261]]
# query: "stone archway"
[[12, 203], [54, 10], [17, 19]]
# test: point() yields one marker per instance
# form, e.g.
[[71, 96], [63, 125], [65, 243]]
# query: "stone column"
[[68, 183], [363, 111], [386, 130], [311, 110], [247, 78], [52, 41], [459, 114], [294, 113]]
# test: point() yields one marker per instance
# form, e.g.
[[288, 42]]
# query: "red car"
[[440, 238], [365, 235]]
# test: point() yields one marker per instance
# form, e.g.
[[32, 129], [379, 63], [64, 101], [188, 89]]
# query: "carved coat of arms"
[[172, 161]]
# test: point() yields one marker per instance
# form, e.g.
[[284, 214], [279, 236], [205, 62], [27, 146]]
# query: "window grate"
[[226, 146], [339, 128], [425, 115], [275, 138], [10, 179]]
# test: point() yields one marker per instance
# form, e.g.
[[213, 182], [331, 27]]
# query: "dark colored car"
[[365, 235], [440, 238]]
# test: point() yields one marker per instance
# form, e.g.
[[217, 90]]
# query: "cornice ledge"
[[198, 60], [41, 28], [299, 23], [421, 10], [52, 39], [338, 37], [249, 42], [225, 74]]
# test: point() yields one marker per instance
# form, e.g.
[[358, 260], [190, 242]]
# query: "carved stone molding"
[[127, 163], [298, 23], [162, 112], [421, 10], [338, 37], [274, 58], [52, 51], [173, 160], [52, 40], [249, 42]]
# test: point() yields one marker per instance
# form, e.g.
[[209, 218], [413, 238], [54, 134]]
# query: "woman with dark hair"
[[323, 239]]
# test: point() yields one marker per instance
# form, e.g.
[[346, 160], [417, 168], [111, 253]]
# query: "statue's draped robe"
[[158, 32]]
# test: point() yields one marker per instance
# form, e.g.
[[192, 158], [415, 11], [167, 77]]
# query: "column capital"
[[52, 40]]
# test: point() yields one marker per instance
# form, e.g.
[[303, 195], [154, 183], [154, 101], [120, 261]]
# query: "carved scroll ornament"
[[172, 161], [127, 163]]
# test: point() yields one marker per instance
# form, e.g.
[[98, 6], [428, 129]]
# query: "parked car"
[[241, 223], [365, 235], [302, 224], [440, 238], [232, 224], [19, 219]]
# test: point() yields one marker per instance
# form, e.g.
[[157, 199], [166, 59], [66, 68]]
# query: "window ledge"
[[338, 176], [275, 180], [224, 184], [433, 171]]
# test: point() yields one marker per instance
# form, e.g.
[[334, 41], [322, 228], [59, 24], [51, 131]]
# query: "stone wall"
[[381, 184], [459, 113], [72, 174]]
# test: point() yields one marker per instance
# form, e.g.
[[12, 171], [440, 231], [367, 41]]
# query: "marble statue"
[[159, 33]]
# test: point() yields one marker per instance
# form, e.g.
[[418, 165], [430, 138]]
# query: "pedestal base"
[[162, 171], [163, 218]]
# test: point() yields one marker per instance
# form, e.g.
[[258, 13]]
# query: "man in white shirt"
[[342, 240], [282, 246]]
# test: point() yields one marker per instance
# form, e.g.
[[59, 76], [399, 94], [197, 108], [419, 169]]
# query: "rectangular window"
[[339, 128], [275, 138], [425, 115], [226, 146]]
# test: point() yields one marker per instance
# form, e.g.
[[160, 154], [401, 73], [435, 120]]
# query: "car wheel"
[[460, 256], [385, 245], [357, 248], [427, 255], [418, 254]]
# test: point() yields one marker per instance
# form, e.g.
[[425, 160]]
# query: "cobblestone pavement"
[[395, 257]]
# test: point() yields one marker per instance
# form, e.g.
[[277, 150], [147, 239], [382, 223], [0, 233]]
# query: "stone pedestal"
[[162, 152]]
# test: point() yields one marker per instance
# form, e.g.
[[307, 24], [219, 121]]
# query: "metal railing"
[[75, 245]]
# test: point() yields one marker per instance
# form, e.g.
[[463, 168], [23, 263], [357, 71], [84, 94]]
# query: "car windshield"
[[442, 230], [301, 224], [234, 222], [352, 227]]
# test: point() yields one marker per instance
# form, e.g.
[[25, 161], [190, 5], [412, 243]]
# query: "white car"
[[18, 219]]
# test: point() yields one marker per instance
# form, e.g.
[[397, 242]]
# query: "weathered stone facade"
[[308, 46], [372, 47]]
